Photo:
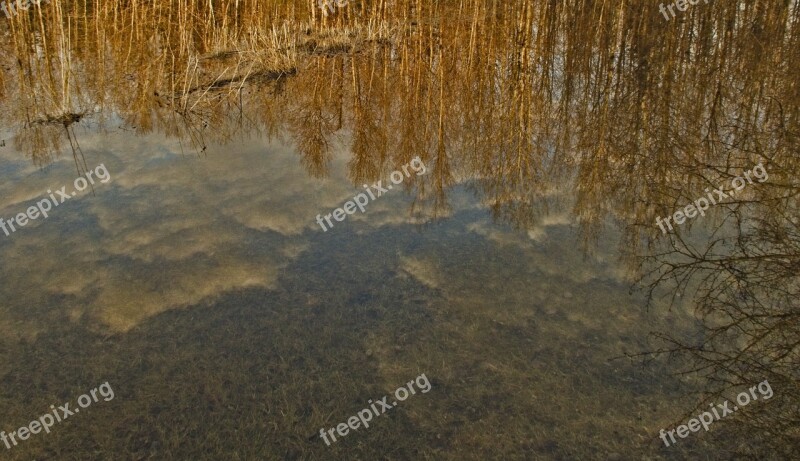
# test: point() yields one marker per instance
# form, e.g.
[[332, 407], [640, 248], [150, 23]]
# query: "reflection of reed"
[[314, 119], [505, 90], [507, 87]]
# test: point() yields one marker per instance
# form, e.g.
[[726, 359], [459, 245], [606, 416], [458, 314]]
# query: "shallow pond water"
[[200, 291]]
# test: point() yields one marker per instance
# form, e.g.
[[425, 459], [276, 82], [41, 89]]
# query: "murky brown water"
[[524, 273]]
